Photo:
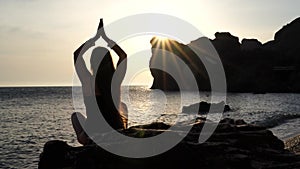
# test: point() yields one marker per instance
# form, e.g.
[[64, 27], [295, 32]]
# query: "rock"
[[293, 144], [287, 38], [249, 66], [251, 44], [234, 144], [54, 155], [204, 108], [226, 44]]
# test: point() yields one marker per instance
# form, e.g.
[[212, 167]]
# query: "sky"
[[38, 37]]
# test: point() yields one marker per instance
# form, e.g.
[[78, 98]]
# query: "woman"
[[98, 84]]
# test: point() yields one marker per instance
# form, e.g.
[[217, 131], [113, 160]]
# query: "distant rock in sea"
[[250, 66], [204, 108], [234, 144]]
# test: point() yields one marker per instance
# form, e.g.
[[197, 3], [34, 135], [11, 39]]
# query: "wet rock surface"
[[234, 144], [293, 144]]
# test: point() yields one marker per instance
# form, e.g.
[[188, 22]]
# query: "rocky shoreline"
[[234, 144]]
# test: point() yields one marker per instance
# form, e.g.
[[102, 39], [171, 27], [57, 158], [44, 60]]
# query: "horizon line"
[[12, 86]]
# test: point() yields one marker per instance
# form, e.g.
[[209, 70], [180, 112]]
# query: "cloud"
[[19, 40], [20, 32]]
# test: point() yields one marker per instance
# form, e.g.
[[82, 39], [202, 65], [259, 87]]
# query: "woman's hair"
[[103, 68]]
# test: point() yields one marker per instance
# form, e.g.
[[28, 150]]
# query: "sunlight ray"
[[169, 48]]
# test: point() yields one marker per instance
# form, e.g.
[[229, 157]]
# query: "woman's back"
[[110, 111]]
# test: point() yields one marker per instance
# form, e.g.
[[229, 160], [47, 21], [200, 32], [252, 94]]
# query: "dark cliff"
[[250, 66]]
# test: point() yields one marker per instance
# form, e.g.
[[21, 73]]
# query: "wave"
[[276, 120]]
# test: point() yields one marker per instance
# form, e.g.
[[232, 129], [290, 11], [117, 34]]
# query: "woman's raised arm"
[[122, 62], [80, 66], [121, 69]]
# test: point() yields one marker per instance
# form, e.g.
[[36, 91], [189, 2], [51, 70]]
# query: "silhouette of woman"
[[98, 84]]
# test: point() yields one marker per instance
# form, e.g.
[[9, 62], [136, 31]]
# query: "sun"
[[160, 41], [160, 38]]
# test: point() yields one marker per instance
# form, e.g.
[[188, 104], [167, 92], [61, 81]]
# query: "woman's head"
[[102, 66], [102, 55]]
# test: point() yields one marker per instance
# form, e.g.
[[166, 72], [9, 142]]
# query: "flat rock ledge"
[[233, 145]]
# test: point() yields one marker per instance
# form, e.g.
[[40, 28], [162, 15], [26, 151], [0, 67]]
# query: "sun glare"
[[159, 38], [160, 41]]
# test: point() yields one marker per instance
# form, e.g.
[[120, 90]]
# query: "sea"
[[31, 116]]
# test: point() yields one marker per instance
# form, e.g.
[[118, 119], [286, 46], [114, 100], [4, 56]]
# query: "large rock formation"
[[250, 66], [234, 145]]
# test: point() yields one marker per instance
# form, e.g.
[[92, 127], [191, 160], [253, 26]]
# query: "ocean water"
[[32, 116]]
